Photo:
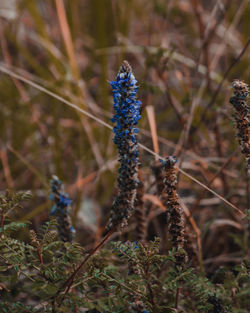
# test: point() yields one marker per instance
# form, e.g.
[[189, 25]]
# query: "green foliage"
[[12, 200], [123, 277]]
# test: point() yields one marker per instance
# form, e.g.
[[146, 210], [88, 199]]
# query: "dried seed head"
[[242, 118], [240, 89], [33, 237], [166, 177]]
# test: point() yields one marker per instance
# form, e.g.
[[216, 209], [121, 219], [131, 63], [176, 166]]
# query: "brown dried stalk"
[[242, 118], [166, 174], [141, 225], [171, 200]]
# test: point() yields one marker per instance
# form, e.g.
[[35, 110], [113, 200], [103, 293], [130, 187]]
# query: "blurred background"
[[184, 54]]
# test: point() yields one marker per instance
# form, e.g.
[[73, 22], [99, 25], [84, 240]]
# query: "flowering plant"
[[127, 115], [60, 208]]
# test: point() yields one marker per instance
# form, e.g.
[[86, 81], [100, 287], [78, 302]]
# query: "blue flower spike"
[[126, 117], [60, 209]]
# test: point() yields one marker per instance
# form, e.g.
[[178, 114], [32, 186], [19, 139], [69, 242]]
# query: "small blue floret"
[[64, 200]]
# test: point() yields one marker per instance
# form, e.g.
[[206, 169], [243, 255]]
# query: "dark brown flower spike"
[[166, 179], [242, 118]]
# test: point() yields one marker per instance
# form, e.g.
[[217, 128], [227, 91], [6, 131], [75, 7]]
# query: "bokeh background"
[[184, 54]]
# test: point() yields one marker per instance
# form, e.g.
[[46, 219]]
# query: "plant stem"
[[177, 298], [70, 280]]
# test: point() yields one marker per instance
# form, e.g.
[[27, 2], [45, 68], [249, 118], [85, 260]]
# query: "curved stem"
[[70, 280]]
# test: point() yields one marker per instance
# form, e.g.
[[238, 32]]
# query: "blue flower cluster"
[[126, 117], [126, 106], [59, 197], [60, 208]]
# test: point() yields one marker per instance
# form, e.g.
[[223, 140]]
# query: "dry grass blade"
[[67, 37], [153, 128], [41, 88], [29, 166], [6, 168]]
